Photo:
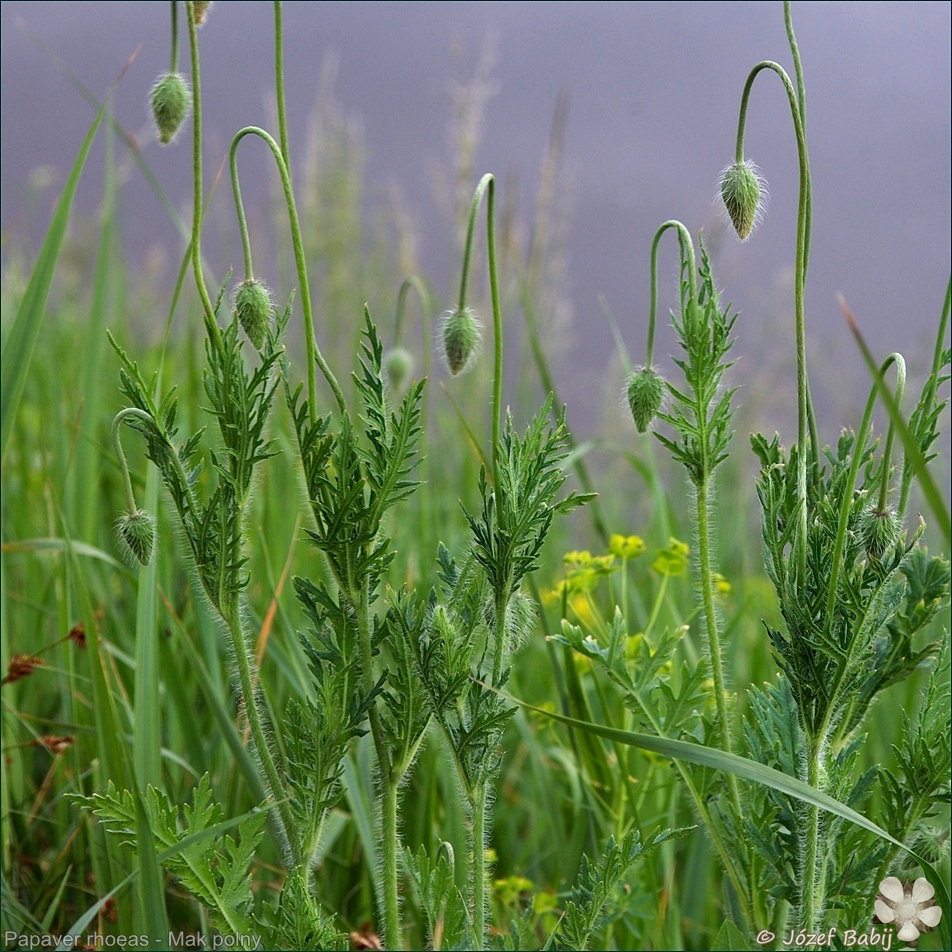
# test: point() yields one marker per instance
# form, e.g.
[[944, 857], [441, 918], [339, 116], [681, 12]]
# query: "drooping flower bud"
[[399, 366], [744, 192], [253, 309], [171, 102], [460, 338], [879, 530], [137, 535], [645, 395]]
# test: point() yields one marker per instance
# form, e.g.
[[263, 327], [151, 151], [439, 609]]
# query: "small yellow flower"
[[673, 560], [626, 547], [721, 585]]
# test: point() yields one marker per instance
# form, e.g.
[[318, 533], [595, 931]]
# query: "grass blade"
[[19, 344]]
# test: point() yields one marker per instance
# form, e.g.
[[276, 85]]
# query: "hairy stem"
[[275, 786], [392, 932], [480, 896]]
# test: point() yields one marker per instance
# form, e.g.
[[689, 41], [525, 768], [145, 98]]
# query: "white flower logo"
[[910, 906]]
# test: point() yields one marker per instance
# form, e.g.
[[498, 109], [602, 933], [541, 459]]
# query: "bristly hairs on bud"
[[170, 100], [460, 337], [645, 394], [254, 308], [136, 532], [743, 190]]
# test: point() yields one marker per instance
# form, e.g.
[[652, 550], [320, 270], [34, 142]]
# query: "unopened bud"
[[137, 535], [879, 530], [253, 309], [171, 102], [645, 395], [399, 366], [460, 340], [744, 192]]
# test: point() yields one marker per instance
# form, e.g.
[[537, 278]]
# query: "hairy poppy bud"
[[460, 338], [171, 102], [645, 396], [879, 530], [744, 192], [253, 309], [137, 535], [399, 366]]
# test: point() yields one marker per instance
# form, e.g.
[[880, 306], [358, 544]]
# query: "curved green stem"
[[279, 84], [927, 400], [487, 183], [687, 251], [117, 422], [208, 309], [804, 403], [314, 353], [414, 282], [173, 58]]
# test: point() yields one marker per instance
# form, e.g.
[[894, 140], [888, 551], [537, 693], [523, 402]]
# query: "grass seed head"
[[399, 366], [253, 309], [461, 334], [171, 102], [645, 396], [137, 535], [744, 192]]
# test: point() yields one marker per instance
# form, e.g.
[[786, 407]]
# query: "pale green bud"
[[645, 393], [461, 333], [744, 192], [253, 309], [399, 366], [137, 535], [879, 530], [171, 102]]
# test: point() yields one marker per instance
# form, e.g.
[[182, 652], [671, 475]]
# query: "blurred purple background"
[[654, 88]]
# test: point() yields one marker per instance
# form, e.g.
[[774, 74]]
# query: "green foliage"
[[240, 402], [595, 898], [216, 871], [440, 899], [517, 512], [702, 415]]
